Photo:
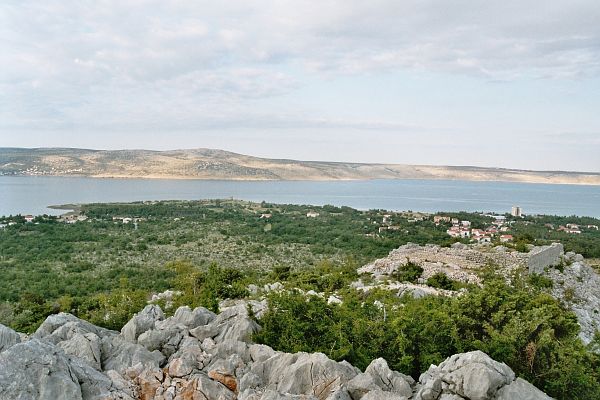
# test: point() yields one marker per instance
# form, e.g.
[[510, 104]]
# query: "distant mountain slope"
[[219, 164]]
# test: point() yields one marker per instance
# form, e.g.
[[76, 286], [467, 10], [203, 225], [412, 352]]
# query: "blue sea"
[[32, 195]]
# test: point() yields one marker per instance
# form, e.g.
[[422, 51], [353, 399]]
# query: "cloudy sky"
[[492, 83]]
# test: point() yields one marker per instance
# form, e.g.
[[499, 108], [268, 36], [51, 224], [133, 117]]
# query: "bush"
[[540, 281], [441, 281], [408, 272]]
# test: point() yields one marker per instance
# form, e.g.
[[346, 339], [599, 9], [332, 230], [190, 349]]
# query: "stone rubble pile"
[[198, 355], [459, 263]]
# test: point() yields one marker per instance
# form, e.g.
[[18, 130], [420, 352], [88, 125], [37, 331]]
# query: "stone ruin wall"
[[543, 257]]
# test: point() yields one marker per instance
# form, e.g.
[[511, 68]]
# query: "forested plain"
[[104, 270]]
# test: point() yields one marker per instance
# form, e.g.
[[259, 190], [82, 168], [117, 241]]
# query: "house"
[[386, 218], [383, 229], [477, 233], [2, 226], [484, 239], [570, 228], [454, 231], [312, 214], [504, 229], [595, 227], [466, 224], [29, 218], [455, 221], [266, 216], [492, 230], [506, 238]]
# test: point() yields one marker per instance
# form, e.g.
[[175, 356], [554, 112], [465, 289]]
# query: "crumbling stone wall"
[[544, 256]]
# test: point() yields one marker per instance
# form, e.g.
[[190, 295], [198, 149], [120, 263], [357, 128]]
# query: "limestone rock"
[[63, 326], [472, 375], [360, 385], [382, 395], [303, 374], [225, 379], [185, 316], [388, 380], [578, 285], [86, 346], [8, 337], [37, 370], [202, 387], [520, 389], [141, 322], [119, 354]]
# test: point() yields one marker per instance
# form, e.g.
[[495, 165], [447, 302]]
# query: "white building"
[[516, 211]]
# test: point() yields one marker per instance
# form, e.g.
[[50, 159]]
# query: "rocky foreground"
[[197, 355]]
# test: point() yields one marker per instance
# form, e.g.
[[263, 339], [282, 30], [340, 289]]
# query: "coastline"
[[524, 180]]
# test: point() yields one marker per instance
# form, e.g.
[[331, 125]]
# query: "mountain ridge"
[[205, 163]]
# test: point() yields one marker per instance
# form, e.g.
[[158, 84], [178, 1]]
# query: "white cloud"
[[111, 64]]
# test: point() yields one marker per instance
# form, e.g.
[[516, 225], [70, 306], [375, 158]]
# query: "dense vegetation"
[[48, 266], [103, 270], [518, 324]]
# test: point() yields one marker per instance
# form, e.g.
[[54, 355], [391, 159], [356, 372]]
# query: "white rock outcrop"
[[199, 355]]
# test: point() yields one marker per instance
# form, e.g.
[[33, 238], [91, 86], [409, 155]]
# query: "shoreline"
[[315, 179]]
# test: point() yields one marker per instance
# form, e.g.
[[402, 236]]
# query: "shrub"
[[441, 281], [408, 272]]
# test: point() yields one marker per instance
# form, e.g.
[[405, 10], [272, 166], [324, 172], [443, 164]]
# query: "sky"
[[512, 84]]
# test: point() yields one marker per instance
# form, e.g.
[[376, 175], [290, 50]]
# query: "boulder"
[[303, 374], [141, 322], [388, 380], [472, 375], [63, 326], [86, 346], [149, 382], [261, 352], [233, 324], [383, 395], [226, 379], [8, 337], [166, 341], [119, 354], [520, 389], [360, 385], [201, 386], [37, 370], [193, 359], [188, 318]]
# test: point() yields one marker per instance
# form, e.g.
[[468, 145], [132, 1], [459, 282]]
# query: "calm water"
[[31, 195]]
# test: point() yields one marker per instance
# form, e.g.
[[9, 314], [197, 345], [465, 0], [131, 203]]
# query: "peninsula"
[[224, 165]]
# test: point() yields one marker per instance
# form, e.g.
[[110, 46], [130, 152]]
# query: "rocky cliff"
[[196, 354]]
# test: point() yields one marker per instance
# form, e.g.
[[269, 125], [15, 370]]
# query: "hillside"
[[218, 164]]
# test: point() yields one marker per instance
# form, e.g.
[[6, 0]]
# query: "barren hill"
[[219, 164]]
